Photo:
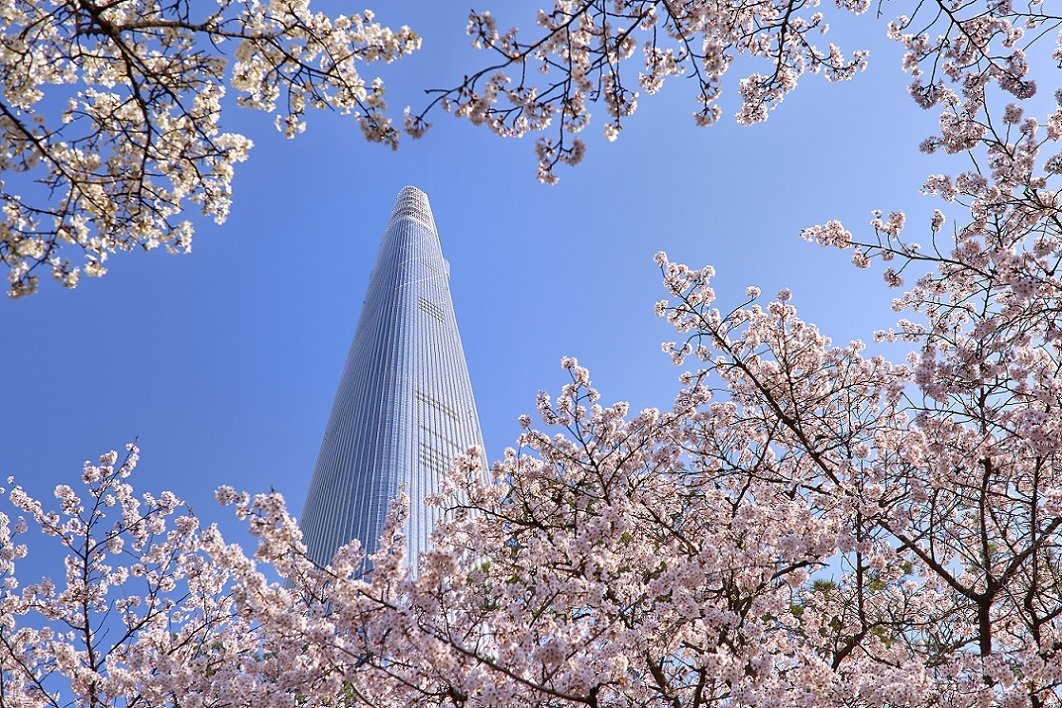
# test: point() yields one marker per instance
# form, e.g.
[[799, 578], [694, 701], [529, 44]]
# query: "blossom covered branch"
[[110, 116], [583, 49], [589, 51]]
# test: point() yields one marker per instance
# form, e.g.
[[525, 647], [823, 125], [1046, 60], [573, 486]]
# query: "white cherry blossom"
[[110, 116]]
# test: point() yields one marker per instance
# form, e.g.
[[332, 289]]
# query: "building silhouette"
[[404, 407]]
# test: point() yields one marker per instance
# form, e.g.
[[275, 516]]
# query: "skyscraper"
[[404, 406]]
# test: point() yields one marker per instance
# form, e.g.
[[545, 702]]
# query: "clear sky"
[[225, 362]]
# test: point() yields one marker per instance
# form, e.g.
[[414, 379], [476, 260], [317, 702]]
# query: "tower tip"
[[412, 201]]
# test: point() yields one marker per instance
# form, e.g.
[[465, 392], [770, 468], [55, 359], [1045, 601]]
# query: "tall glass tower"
[[404, 406]]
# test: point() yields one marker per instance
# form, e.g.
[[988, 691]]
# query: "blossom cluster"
[[110, 116], [583, 51]]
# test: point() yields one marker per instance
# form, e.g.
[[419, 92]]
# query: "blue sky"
[[224, 362]]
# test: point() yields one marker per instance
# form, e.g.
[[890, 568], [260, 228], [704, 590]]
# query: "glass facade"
[[404, 406]]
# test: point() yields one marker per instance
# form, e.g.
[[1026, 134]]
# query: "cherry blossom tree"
[[588, 51], [110, 115], [110, 112], [154, 609], [809, 525], [581, 52]]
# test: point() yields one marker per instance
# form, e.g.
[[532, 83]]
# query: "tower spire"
[[404, 407]]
